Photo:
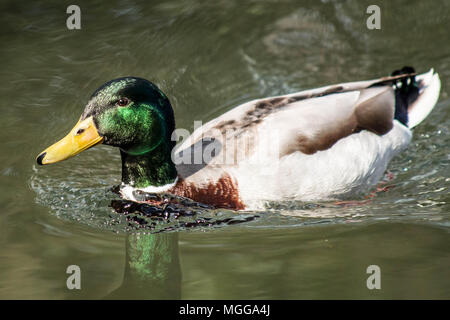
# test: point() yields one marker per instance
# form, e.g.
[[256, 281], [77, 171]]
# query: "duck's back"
[[312, 145]]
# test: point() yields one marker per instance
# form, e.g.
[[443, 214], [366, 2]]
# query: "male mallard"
[[317, 144]]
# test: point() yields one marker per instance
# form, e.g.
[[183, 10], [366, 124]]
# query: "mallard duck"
[[319, 144]]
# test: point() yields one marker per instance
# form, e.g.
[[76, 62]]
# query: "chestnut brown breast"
[[222, 193]]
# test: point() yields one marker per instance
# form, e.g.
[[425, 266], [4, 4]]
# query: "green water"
[[209, 56]]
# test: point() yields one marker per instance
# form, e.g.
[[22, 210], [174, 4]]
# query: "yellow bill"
[[83, 136]]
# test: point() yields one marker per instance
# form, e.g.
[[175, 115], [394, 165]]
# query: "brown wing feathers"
[[375, 110]]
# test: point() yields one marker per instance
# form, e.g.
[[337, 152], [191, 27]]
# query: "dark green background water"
[[209, 56]]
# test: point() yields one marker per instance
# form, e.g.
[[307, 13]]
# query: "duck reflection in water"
[[152, 268]]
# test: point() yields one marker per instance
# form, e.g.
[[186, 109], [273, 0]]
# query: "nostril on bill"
[[40, 158], [80, 131]]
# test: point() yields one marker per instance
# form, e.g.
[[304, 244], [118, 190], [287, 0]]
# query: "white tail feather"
[[428, 96]]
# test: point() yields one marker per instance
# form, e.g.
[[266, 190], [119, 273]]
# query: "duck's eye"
[[122, 102]]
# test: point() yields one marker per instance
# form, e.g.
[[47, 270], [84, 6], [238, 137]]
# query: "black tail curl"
[[406, 92]]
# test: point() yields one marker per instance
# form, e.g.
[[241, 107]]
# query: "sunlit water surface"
[[209, 57]]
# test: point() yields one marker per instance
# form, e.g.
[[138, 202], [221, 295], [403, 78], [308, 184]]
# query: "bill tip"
[[40, 158]]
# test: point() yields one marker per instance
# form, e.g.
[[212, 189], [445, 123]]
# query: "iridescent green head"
[[132, 114]]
